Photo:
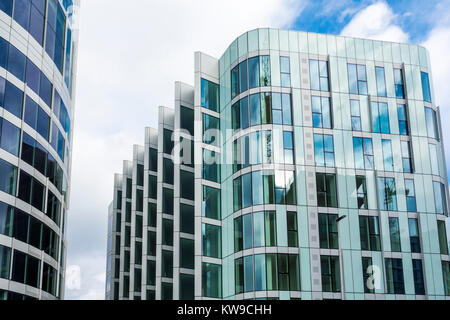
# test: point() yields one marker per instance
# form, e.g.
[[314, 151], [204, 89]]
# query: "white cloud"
[[130, 55], [73, 277], [377, 22]]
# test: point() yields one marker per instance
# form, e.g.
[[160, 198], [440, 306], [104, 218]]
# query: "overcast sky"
[[131, 53]]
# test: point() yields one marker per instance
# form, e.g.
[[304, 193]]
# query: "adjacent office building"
[[298, 166], [37, 63]]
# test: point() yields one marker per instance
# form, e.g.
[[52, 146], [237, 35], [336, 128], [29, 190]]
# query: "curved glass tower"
[[319, 173], [37, 61]]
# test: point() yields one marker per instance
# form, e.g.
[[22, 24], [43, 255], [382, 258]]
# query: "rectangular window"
[[153, 160], [266, 108], [380, 117], [356, 115], [432, 127], [410, 194], [406, 157], [6, 219], [318, 71], [394, 276], [388, 160], [446, 276], [419, 283], [167, 232], [394, 233], [324, 150], [370, 233], [210, 95], [443, 244], [243, 76], [151, 244], [326, 190], [285, 71], [292, 229], [399, 84], [357, 79], [264, 71], [211, 241], [271, 228], [255, 110], [9, 137], [434, 159], [363, 151], [186, 219], [361, 192], [321, 109], [402, 120], [281, 109], [187, 185], [235, 82], [328, 231], [167, 264], [331, 279], [253, 72], [167, 201], [152, 187], [186, 253], [151, 214], [211, 203], [13, 99], [258, 229], [260, 272], [387, 194], [381, 81], [414, 235], [426, 87], [187, 119], [168, 142], [367, 265], [248, 274], [211, 167], [211, 280], [239, 276], [440, 198], [187, 287], [5, 262], [247, 231], [288, 142]]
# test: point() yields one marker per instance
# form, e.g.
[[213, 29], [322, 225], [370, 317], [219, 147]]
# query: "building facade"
[[317, 172], [38, 46]]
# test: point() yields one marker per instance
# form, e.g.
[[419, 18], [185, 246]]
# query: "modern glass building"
[[37, 62], [317, 172]]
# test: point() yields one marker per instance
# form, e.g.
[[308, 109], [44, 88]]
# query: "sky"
[[131, 53]]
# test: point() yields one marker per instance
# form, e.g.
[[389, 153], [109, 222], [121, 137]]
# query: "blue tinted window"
[[234, 83], [6, 6], [285, 71], [321, 112], [13, 99], [8, 177], [2, 90], [33, 76], [243, 76], [67, 75], [255, 110], [16, 62], [210, 95], [30, 116], [43, 124], [45, 91], [381, 81], [37, 25], [380, 117], [9, 137], [61, 145], [387, 194], [253, 72], [387, 155], [286, 105], [426, 87], [3, 52], [399, 87], [244, 113], [432, 128], [50, 42], [22, 12], [402, 120]]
